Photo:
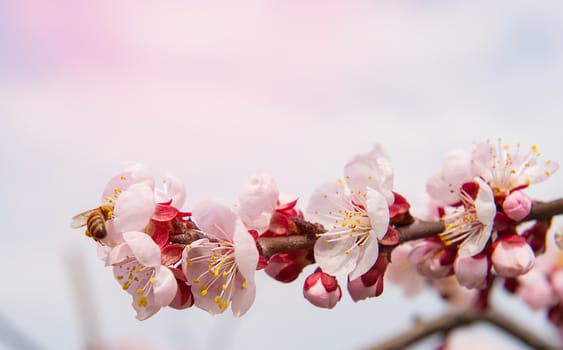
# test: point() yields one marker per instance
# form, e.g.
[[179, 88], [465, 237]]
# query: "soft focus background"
[[215, 92]]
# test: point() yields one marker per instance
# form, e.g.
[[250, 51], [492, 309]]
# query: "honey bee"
[[94, 220]]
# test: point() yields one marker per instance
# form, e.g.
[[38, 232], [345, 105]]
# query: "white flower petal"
[[475, 243], [378, 212], [368, 257], [332, 257], [485, 203], [326, 201]]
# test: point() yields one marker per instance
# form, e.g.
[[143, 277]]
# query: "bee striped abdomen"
[[96, 225]]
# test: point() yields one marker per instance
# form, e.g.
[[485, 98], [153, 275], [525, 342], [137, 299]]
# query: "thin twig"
[[449, 322]]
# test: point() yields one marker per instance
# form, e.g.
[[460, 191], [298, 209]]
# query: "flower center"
[[218, 279]]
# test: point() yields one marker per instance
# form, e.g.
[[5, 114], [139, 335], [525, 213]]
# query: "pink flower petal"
[[164, 287], [134, 208], [471, 272], [517, 205], [246, 253], [372, 170], [242, 298], [215, 219], [134, 173], [142, 246], [174, 192], [257, 201]]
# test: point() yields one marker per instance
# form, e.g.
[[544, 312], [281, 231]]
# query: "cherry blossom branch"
[[305, 239], [449, 322]]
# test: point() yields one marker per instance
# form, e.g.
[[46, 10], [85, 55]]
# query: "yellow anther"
[[325, 196], [119, 277], [126, 285], [142, 301], [548, 173], [534, 149], [139, 291], [225, 274], [244, 285], [347, 252], [196, 281], [151, 280], [203, 291], [189, 263], [340, 181], [123, 177], [224, 287], [528, 182]]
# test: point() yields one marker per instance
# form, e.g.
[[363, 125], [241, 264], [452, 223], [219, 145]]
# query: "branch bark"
[[305, 239], [449, 322]]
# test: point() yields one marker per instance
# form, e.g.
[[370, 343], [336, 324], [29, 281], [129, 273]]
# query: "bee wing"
[[79, 220]]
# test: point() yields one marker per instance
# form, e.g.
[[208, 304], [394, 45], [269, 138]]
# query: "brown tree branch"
[[305, 239], [449, 322]]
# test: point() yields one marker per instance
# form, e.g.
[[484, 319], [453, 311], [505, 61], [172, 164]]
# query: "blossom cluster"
[[164, 256]]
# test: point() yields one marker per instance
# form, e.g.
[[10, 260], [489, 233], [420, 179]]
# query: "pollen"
[[203, 291], [224, 287], [196, 281], [123, 177], [139, 291], [126, 285], [189, 263], [244, 285], [534, 149], [142, 301], [340, 181], [347, 252], [119, 277], [151, 280]]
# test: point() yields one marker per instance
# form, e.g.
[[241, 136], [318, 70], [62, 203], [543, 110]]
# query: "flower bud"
[[370, 284], [471, 271], [322, 290], [517, 205], [286, 267], [512, 256]]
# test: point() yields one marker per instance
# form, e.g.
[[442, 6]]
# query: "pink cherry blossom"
[[137, 267], [472, 271], [356, 214], [505, 171], [257, 201], [173, 192], [517, 205], [536, 290], [322, 290], [471, 226], [403, 272], [512, 256], [432, 258], [444, 185], [221, 268]]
